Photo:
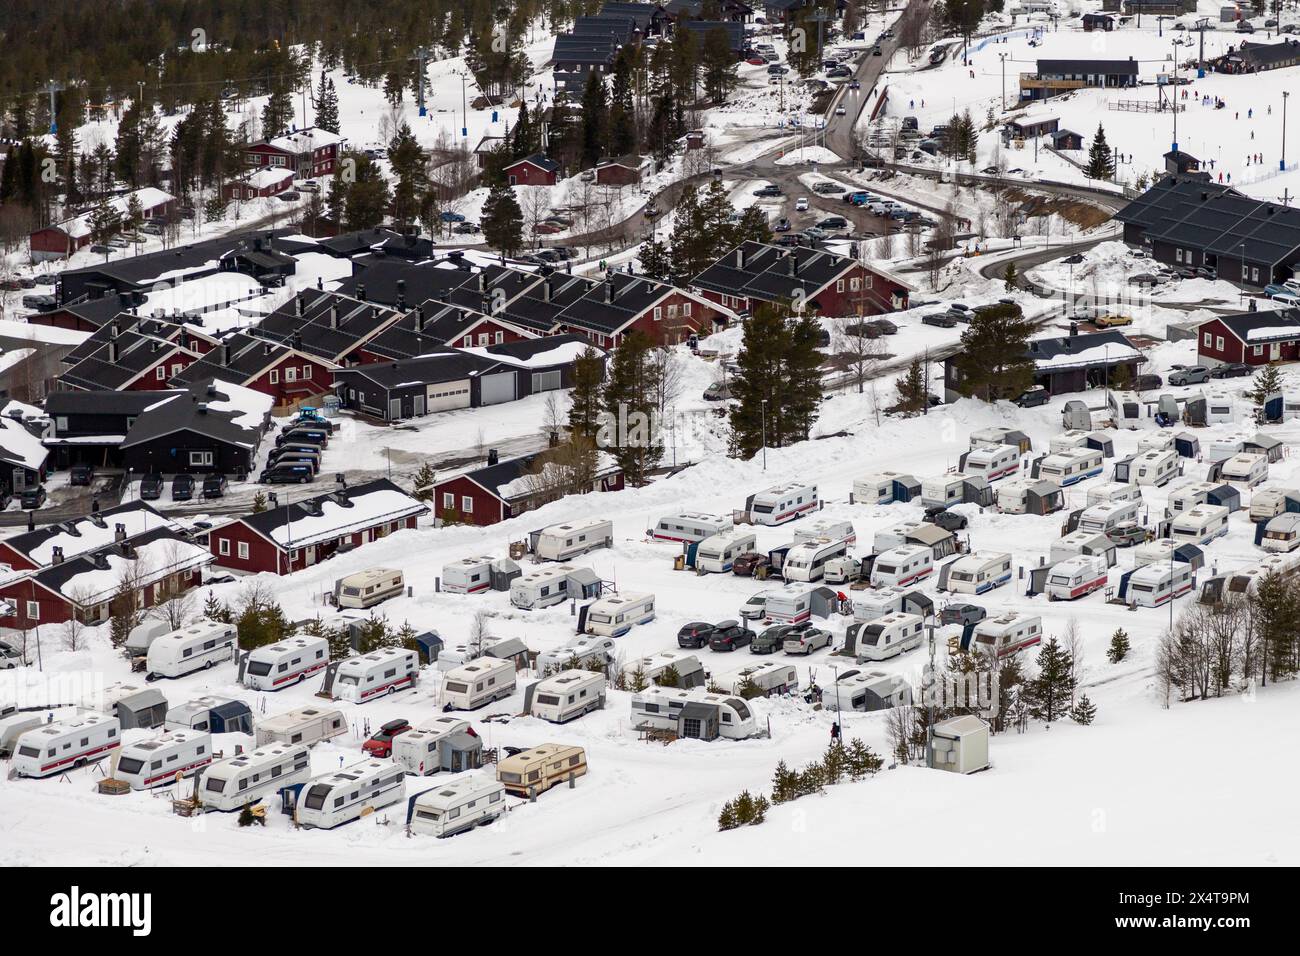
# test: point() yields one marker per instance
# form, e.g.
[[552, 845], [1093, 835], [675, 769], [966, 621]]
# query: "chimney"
[[155, 345], [185, 338], [485, 306], [1074, 329], [546, 290], [334, 316], [56, 555], [297, 341], [203, 408], [401, 290], [320, 283], [298, 304], [94, 506], [225, 355], [112, 353], [792, 262], [492, 456], [740, 257], [361, 292], [609, 288], [266, 348], [114, 329], [420, 318], [374, 312], [31, 521], [119, 532], [482, 282]]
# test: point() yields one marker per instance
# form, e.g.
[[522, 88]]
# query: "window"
[[160, 373], [482, 338], [275, 377], [243, 550], [1209, 339], [200, 458], [61, 423], [1178, 255], [177, 368], [659, 314], [33, 610], [672, 311], [467, 341], [306, 371], [1259, 350], [448, 500], [223, 546], [1218, 342], [500, 337], [839, 285], [291, 374], [686, 308], [855, 284], [467, 504]]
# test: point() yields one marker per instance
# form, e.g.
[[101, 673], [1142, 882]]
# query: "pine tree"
[[327, 105], [1101, 161], [912, 392], [366, 197], [669, 677], [1266, 384], [1119, 646], [785, 784], [1010, 277], [759, 812], [595, 106], [424, 483], [835, 763], [1084, 711], [502, 219], [406, 158], [654, 259], [637, 680], [862, 762], [727, 818], [758, 383], [277, 114], [630, 433], [1050, 692], [802, 380], [259, 502], [992, 363], [1276, 613], [585, 396]]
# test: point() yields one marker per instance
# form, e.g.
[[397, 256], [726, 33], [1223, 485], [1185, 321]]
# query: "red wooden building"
[[260, 184], [534, 170], [62, 239], [609, 310], [308, 153], [1256, 338], [502, 490]]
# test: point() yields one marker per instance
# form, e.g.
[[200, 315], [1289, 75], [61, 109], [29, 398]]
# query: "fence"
[[1143, 106]]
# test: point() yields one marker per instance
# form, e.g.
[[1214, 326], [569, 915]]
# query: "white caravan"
[[1076, 577], [869, 605], [65, 744], [979, 571], [190, 648], [782, 503], [471, 800], [567, 695], [992, 462], [895, 537], [564, 541], [1282, 534], [689, 527], [468, 575], [1188, 496], [790, 604], [1200, 525], [889, 636], [1155, 468], [614, 616], [1008, 633], [807, 561], [1013, 497], [944, 491], [369, 676], [155, 763], [902, 566], [541, 588], [826, 529], [416, 751], [1149, 552], [876, 488], [1270, 502], [1099, 519], [580, 651], [1071, 467], [1109, 491], [661, 708], [686, 666], [1245, 471], [770, 677], [479, 682], [349, 794], [1154, 584], [303, 725], [231, 783], [718, 553], [286, 662], [867, 691], [368, 588], [1221, 449]]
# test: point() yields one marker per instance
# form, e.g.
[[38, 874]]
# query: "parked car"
[[80, 475], [1111, 321], [944, 320], [751, 564], [32, 498], [809, 639], [1145, 383], [755, 608], [833, 223], [1192, 375], [962, 614], [717, 392], [151, 487], [465, 228], [9, 656], [885, 325], [287, 473], [839, 110], [182, 487], [694, 635], [452, 217], [782, 225], [947, 520], [771, 640], [380, 743], [39, 301], [1033, 396], [1231, 370], [1145, 279], [729, 635], [801, 204], [769, 190], [1126, 535], [214, 486]]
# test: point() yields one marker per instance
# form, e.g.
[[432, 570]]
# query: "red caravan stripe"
[[795, 511], [401, 680], [311, 670], [171, 773], [1090, 586], [88, 753]]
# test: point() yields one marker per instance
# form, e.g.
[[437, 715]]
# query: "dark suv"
[[80, 475], [151, 487], [730, 635], [32, 498], [214, 486], [694, 635], [771, 640], [182, 488], [962, 614]]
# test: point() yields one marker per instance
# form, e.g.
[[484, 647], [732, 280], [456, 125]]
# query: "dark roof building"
[[1251, 57], [212, 427], [611, 309], [1069, 363], [504, 489], [326, 325]]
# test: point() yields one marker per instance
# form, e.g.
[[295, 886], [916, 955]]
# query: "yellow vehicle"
[[539, 769], [1111, 321]]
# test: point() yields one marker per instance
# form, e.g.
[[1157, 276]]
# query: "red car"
[[381, 743]]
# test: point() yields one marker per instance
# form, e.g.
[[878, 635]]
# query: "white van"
[[479, 682], [368, 588], [286, 662], [902, 566], [190, 648], [1245, 471], [1200, 525], [155, 763], [1076, 577], [369, 676], [614, 616], [979, 571], [65, 745], [470, 800], [1102, 518], [567, 695], [889, 636], [992, 462], [717, 553], [564, 541]]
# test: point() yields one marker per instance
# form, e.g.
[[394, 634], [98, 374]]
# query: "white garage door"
[[498, 388], [448, 395]]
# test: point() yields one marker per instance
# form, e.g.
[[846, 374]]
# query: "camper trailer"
[[370, 676], [444, 743], [782, 503], [1221, 449], [1114, 491], [144, 634], [1008, 633], [869, 605], [1071, 467], [132, 705], [1151, 552], [156, 763], [689, 527], [1270, 502], [368, 588], [717, 553], [990, 462], [1188, 496], [894, 537], [977, 572], [770, 678], [1220, 408], [1030, 496], [889, 636], [1076, 577], [579, 651], [824, 529], [1281, 534], [693, 713], [566, 696], [1245, 471], [1102, 518], [866, 691], [564, 541], [65, 745], [807, 561], [190, 648], [790, 604], [471, 800], [1077, 439], [1076, 414], [1156, 468], [545, 586], [1125, 409], [479, 682], [686, 669], [468, 575], [13, 724], [538, 769], [230, 784], [960, 744], [216, 715], [1200, 525], [1157, 441], [1154, 584], [883, 488], [614, 616], [349, 794], [286, 662], [1082, 542], [944, 491], [902, 566], [998, 435], [303, 725]]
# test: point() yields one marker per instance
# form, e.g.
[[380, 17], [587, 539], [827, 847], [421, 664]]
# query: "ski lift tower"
[[1200, 27]]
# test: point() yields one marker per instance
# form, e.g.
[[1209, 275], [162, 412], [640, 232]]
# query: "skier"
[[835, 730]]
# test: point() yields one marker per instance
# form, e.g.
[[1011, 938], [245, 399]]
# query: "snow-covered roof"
[[19, 446], [305, 140], [560, 355], [269, 176], [341, 512], [83, 535], [149, 198], [151, 561]]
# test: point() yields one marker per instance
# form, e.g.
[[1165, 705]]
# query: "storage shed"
[[961, 744], [146, 708]]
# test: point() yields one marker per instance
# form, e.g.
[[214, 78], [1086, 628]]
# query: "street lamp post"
[[1282, 162], [763, 414]]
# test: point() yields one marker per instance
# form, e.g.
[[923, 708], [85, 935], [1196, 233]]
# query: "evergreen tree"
[[277, 114], [406, 158], [1051, 691], [259, 502], [522, 139], [835, 763], [727, 818], [629, 400], [1119, 646], [1277, 620], [1010, 277], [327, 105], [862, 762], [757, 384], [501, 222], [424, 483], [1084, 711], [785, 784], [585, 396], [363, 202], [655, 260], [595, 108], [1101, 161], [1266, 384], [912, 392], [992, 363], [669, 677], [802, 379], [718, 65], [621, 135]]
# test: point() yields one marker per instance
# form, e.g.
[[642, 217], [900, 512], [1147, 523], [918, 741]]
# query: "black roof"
[[1265, 54], [1127, 67], [191, 411], [107, 361], [431, 368], [639, 13], [1165, 196], [735, 31], [55, 576], [240, 358], [350, 244], [771, 273], [100, 402], [540, 307], [274, 518], [101, 310], [1242, 324], [1063, 346], [386, 280], [608, 306], [144, 269], [618, 27], [585, 50], [540, 160], [327, 325]]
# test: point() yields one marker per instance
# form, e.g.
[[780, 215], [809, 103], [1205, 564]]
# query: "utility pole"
[[419, 58], [1282, 162], [1003, 58], [52, 88], [930, 692]]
